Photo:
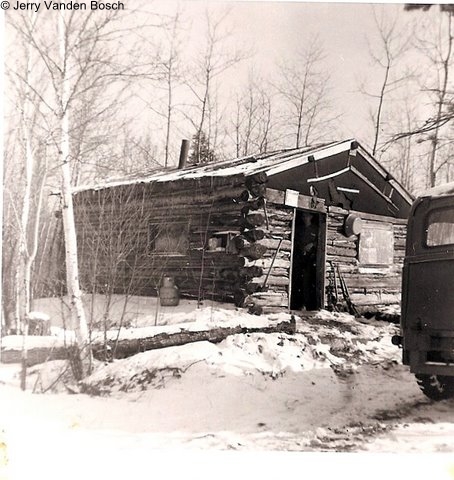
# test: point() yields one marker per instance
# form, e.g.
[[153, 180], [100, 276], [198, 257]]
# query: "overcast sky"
[[275, 29]]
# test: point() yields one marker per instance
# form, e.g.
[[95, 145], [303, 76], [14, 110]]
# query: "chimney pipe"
[[183, 154]]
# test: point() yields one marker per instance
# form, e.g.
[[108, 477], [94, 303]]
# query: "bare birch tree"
[[85, 58]]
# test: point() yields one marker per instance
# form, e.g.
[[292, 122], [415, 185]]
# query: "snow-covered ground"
[[255, 404]]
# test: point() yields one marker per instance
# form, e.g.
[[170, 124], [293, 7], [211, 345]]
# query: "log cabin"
[[297, 229]]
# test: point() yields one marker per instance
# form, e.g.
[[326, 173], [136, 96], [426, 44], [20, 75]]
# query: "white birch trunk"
[[23, 272], [72, 269], [24, 267]]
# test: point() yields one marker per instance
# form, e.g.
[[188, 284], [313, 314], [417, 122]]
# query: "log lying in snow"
[[127, 348]]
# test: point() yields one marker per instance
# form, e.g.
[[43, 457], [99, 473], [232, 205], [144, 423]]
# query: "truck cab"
[[427, 317]]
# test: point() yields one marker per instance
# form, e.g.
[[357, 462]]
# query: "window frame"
[[155, 228], [374, 227], [427, 225]]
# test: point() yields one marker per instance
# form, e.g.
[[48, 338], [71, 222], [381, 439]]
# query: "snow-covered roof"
[[271, 162], [446, 189], [247, 165]]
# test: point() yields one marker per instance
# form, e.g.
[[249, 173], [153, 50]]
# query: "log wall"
[[252, 270], [269, 292], [371, 287], [113, 228]]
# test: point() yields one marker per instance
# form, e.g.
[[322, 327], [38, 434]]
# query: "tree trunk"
[[72, 269]]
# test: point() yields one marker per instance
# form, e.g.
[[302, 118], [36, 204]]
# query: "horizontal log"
[[341, 244], [277, 280], [128, 348], [266, 310], [334, 236], [375, 299], [166, 198], [273, 244], [277, 216], [276, 231], [264, 299], [341, 251], [371, 283], [340, 259], [136, 210], [279, 272], [266, 262], [277, 197]]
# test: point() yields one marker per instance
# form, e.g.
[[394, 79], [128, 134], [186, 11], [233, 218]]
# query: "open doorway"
[[307, 281]]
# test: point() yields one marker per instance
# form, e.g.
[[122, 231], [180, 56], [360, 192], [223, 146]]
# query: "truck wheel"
[[436, 387]]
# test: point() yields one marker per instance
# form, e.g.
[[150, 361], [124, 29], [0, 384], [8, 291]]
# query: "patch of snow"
[[134, 311], [334, 385], [39, 316]]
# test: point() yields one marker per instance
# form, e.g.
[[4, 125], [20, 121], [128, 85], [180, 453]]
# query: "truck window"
[[440, 227]]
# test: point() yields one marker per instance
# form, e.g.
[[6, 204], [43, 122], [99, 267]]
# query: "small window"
[[223, 242], [168, 239], [376, 244], [440, 227]]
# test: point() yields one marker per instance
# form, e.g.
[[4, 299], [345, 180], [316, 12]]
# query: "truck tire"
[[436, 387]]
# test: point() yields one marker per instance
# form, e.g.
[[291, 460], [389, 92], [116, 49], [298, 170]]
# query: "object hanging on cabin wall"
[[352, 225]]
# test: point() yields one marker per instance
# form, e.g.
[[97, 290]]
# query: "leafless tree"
[[388, 57], [435, 46], [211, 62], [440, 54], [85, 59], [171, 72], [253, 117], [404, 157], [305, 88]]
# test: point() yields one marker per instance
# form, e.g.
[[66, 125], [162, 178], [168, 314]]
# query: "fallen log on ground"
[[128, 347]]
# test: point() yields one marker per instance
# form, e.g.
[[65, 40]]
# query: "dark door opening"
[[307, 261]]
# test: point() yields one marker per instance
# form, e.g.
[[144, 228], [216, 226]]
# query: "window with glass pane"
[[168, 239], [440, 227]]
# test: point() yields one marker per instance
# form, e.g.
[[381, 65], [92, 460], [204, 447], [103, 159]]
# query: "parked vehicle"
[[427, 317]]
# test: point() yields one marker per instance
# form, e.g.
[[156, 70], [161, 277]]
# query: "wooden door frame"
[[321, 255]]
